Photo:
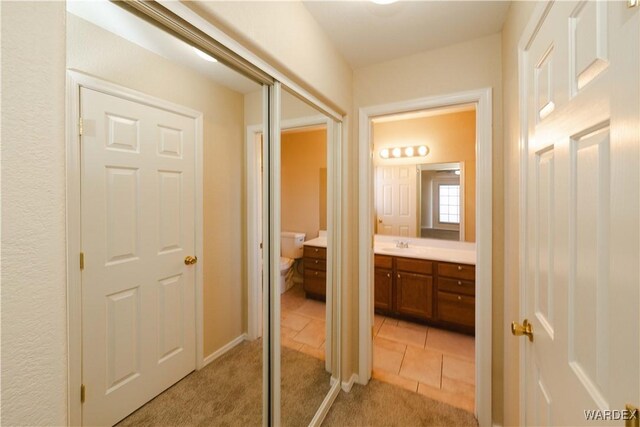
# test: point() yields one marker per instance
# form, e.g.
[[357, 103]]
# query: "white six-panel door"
[[580, 70], [138, 205], [396, 200]]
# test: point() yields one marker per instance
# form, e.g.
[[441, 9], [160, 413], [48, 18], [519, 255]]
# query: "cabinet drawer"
[[383, 261], [459, 286], [457, 271], [315, 282], [315, 252], [413, 265], [315, 264], [458, 309]]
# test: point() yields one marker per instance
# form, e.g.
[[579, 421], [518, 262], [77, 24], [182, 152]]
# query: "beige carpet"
[[228, 392], [382, 404]]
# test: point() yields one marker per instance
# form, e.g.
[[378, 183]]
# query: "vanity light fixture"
[[399, 152], [204, 56]]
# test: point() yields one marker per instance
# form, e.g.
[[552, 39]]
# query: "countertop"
[[436, 250]]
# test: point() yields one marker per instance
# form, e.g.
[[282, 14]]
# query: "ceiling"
[[118, 21], [367, 33]]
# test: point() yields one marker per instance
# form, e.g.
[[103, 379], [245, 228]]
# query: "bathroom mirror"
[[425, 174], [170, 340]]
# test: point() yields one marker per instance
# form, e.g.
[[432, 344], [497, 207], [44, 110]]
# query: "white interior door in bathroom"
[[138, 227], [396, 200]]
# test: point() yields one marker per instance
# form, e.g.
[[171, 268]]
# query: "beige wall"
[[519, 14], [100, 53], [33, 302], [470, 65], [303, 155], [298, 48], [450, 138]]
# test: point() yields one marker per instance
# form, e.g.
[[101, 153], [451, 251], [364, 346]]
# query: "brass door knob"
[[524, 329], [190, 260]]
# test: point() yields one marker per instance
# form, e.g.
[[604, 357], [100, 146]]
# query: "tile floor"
[[302, 323], [437, 363]]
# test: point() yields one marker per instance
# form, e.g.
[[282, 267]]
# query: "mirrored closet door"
[[165, 336]]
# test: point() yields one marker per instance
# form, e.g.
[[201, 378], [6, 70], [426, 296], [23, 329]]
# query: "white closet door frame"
[[76, 80]]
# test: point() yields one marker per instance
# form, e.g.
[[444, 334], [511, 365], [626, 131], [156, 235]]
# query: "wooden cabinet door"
[[383, 289], [414, 295]]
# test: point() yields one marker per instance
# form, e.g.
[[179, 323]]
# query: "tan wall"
[[100, 53], [299, 48], [303, 155], [34, 282], [519, 14], [450, 138], [470, 65]]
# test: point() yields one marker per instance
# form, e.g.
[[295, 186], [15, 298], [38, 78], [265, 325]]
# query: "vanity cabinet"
[[315, 272], [403, 287], [434, 292], [383, 283], [456, 294]]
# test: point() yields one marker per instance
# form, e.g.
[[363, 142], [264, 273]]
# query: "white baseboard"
[[347, 385], [222, 350]]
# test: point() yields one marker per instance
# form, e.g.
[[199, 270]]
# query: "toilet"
[[291, 249]]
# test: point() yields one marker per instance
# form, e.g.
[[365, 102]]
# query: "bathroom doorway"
[[425, 285], [424, 252]]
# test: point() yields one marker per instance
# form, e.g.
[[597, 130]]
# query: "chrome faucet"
[[402, 244]]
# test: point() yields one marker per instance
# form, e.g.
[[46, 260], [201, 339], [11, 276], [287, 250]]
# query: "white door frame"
[[254, 273], [75, 81], [484, 198]]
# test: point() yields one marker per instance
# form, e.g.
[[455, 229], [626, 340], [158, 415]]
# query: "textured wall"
[[34, 338]]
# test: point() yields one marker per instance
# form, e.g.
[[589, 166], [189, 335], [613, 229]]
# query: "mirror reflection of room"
[[165, 362], [425, 174], [424, 282], [304, 361]]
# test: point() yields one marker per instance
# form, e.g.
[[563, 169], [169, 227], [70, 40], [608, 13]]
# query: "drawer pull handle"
[[315, 250], [398, 276], [316, 261], [316, 273], [459, 283], [459, 298], [459, 268], [388, 274]]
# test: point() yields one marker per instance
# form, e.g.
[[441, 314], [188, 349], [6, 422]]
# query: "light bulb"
[[384, 153], [423, 150], [396, 152], [408, 151]]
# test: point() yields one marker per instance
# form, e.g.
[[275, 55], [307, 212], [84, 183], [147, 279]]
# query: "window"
[[449, 204]]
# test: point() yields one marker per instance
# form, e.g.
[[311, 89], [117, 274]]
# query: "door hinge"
[[81, 260], [80, 126], [83, 391]]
